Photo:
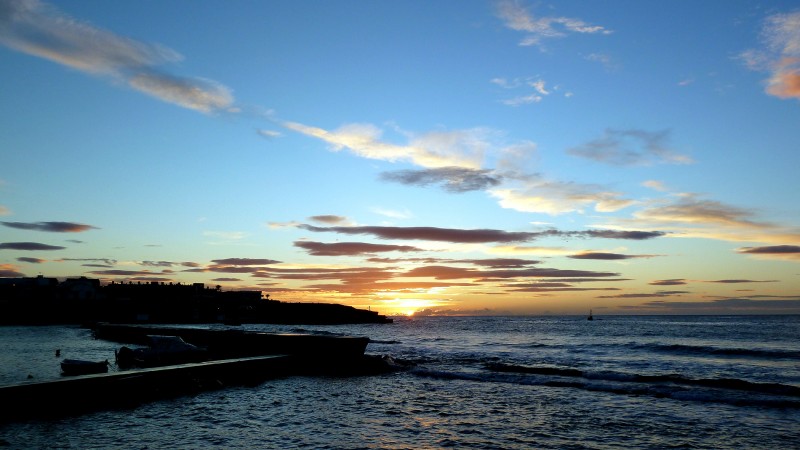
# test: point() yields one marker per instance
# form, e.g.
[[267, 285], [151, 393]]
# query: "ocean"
[[716, 382]]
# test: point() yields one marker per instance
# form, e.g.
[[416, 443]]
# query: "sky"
[[437, 158]]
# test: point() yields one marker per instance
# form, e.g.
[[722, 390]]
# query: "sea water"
[[474, 382]]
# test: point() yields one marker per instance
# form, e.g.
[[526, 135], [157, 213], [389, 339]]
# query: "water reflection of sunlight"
[[408, 306]]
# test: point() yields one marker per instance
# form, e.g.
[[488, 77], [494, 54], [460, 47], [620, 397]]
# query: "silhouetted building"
[[43, 300]]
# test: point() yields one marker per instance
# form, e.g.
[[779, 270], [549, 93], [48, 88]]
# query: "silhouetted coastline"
[[42, 300]]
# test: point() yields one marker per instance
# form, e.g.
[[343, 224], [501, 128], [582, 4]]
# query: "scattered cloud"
[[28, 246], [630, 147], [226, 235], [554, 287], [392, 213], [10, 271], [691, 216], [533, 193], [725, 305], [222, 280], [457, 148], [4, 211], [244, 262], [655, 185], [53, 227], [269, 134], [279, 225], [606, 60], [329, 219], [453, 179], [780, 55], [647, 295], [40, 29], [26, 259], [670, 282], [738, 281], [193, 93], [106, 261], [607, 256], [350, 248], [429, 233], [774, 251], [538, 28], [523, 100], [479, 236], [537, 85], [450, 272], [168, 264], [122, 273]]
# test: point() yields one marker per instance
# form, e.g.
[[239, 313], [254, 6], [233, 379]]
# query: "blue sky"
[[449, 157]]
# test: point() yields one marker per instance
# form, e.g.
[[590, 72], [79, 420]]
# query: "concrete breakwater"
[[234, 357], [232, 343]]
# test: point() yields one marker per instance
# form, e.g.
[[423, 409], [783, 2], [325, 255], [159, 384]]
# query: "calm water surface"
[[478, 382]]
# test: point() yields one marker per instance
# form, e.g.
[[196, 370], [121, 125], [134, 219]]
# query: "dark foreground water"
[[479, 382]]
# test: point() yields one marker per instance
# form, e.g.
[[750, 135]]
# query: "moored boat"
[[163, 351], [81, 367]]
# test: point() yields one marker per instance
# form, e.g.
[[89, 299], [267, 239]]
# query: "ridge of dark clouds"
[[31, 260], [244, 262], [606, 256], [477, 236], [350, 248], [771, 250], [29, 246], [670, 282], [52, 227]]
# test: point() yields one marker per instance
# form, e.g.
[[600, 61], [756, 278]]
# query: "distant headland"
[[42, 300]]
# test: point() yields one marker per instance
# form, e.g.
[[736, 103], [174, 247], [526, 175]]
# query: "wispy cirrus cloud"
[[457, 148], [536, 88], [630, 147], [534, 193], [226, 235], [691, 215], [779, 55], [53, 227], [455, 159], [603, 58], [269, 134], [42, 30], [452, 179], [29, 246], [518, 17]]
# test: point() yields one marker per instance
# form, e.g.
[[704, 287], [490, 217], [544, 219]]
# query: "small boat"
[[80, 367], [163, 351], [590, 315]]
